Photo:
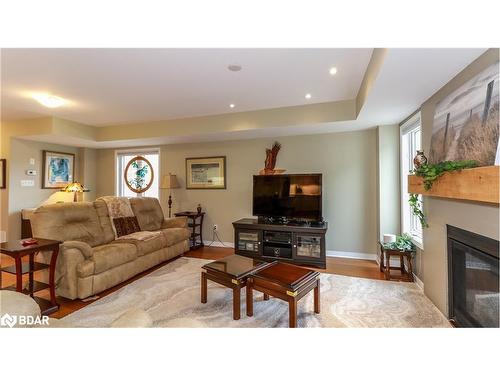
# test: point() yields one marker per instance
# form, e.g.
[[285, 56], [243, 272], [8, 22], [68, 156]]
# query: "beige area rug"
[[171, 295]]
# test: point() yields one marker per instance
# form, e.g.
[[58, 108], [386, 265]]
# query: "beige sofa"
[[90, 259]]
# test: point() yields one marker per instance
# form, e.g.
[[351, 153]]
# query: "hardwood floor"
[[340, 266]]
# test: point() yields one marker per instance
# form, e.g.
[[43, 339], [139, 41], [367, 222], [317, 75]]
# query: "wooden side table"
[[287, 282], [16, 250], [195, 220], [385, 262], [231, 272]]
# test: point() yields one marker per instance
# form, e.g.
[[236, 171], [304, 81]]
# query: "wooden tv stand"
[[292, 243]]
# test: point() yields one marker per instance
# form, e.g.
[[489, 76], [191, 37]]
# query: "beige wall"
[[18, 152], [347, 161], [87, 166], [388, 180], [478, 218], [26, 197]]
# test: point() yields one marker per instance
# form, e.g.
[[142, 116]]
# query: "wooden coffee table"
[[287, 282], [231, 272]]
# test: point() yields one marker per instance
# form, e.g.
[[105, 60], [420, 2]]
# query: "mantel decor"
[[474, 184], [452, 179], [139, 174], [206, 173], [58, 169]]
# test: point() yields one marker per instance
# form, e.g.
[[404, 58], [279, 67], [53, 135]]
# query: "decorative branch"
[[271, 156]]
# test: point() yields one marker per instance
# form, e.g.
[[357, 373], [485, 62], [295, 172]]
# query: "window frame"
[[134, 152], [409, 128]]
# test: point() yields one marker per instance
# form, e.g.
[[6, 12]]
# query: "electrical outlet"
[[215, 227]]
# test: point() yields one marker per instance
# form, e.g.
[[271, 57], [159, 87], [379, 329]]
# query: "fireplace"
[[473, 294]]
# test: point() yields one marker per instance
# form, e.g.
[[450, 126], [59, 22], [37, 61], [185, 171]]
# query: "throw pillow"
[[126, 225]]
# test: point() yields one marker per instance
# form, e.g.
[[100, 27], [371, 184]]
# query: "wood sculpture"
[[271, 157]]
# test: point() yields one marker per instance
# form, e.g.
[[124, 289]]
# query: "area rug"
[[171, 295]]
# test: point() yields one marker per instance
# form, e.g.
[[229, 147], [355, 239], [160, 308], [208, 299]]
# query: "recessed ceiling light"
[[308, 96], [234, 67], [231, 105], [50, 101], [333, 70]]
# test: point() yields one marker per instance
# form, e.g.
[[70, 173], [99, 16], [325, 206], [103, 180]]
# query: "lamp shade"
[[74, 187], [169, 181]]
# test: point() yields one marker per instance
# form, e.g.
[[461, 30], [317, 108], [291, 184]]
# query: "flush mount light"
[[47, 100], [308, 96], [234, 67], [231, 105], [333, 71]]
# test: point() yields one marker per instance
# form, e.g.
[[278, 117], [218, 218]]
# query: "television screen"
[[296, 196]]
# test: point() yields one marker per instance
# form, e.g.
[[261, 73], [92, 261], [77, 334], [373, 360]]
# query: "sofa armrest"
[[83, 247], [176, 222]]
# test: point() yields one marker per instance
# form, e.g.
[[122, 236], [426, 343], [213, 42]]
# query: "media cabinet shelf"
[[474, 184], [298, 244]]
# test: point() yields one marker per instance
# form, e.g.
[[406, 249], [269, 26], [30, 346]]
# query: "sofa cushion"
[[77, 221], [148, 212], [175, 235], [175, 222], [147, 246], [126, 225], [103, 214], [112, 255]]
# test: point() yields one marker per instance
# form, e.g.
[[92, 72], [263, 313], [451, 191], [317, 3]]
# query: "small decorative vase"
[[420, 159], [198, 209]]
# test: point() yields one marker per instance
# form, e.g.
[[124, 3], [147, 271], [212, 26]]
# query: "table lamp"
[[76, 188], [169, 182]]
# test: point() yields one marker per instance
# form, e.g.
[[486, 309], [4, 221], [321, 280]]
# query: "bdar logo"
[[8, 320]]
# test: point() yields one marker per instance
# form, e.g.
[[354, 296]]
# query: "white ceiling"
[[115, 86], [410, 76]]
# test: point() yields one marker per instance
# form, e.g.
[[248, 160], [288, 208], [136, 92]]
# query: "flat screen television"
[[293, 196]]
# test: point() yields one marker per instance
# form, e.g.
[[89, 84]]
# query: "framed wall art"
[[206, 173], [58, 169], [466, 122]]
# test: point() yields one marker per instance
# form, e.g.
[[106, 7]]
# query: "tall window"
[[122, 159], [410, 143]]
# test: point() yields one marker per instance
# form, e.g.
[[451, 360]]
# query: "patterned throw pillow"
[[126, 225]]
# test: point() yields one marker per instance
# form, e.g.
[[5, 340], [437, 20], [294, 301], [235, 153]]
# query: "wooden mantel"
[[474, 184]]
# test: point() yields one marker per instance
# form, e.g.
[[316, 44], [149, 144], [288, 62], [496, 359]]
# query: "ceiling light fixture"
[[234, 67], [231, 105], [47, 100], [308, 96], [333, 71]]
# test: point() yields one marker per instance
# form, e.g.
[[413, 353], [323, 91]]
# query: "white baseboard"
[[219, 244], [419, 282], [351, 255]]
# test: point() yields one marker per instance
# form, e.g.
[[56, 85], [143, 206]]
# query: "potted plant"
[[403, 243]]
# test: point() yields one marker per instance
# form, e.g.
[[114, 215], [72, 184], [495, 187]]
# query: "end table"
[[195, 220], [16, 250], [385, 261]]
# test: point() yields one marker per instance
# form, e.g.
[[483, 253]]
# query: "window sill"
[[418, 242]]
